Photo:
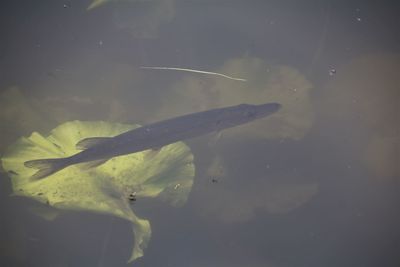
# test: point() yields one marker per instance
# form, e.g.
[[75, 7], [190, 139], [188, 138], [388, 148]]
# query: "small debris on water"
[[132, 196], [195, 71]]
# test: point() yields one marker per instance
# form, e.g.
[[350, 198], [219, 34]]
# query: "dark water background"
[[322, 190]]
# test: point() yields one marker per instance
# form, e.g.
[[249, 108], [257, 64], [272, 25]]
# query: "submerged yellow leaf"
[[105, 189], [97, 3]]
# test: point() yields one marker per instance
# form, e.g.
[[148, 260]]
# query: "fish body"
[[155, 135]]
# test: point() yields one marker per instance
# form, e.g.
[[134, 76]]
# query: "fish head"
[[253, 112], [245, 113], [263, 110]]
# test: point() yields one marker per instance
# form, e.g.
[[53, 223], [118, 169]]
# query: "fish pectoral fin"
[[90, 142], [93, 164], [215, 137]]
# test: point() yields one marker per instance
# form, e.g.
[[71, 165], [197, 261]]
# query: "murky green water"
[[316, 184]]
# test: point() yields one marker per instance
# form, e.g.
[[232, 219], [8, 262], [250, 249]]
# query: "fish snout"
[[268, 109]]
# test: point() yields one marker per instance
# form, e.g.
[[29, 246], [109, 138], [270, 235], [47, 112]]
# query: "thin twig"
[[196, 71]]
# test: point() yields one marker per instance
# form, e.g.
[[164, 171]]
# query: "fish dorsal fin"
[[90, 142]]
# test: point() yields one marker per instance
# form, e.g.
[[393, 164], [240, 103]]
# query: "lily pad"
[[108, 188]]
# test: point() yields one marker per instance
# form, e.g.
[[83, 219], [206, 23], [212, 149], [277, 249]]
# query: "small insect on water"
[[177, 186], [132, 196]]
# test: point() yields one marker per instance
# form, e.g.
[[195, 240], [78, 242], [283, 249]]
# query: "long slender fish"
[[155, 135]]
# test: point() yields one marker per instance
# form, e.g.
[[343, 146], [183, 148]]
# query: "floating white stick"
[[196, 71]]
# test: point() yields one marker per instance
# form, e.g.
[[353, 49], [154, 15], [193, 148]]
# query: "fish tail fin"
[[46, 166]]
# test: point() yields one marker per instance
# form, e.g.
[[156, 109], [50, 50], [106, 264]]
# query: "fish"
[[98, 150]]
